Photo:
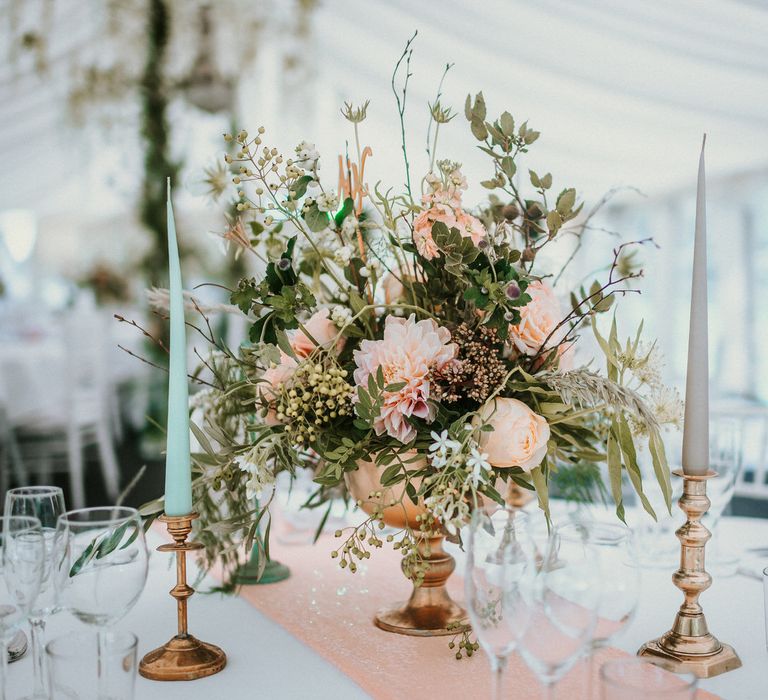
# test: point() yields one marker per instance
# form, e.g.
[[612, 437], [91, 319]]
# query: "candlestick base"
[[182, 659], [689, 646], [707, 666]]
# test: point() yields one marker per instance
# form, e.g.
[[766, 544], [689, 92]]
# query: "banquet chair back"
[[752, 481], [73, 410], [89, 398]]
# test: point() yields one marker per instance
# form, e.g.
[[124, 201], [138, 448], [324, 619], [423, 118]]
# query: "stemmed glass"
[[497, 567], [46, 503], [620, 587], [725, 457], [100, 559], [563, 598], [23, 564]]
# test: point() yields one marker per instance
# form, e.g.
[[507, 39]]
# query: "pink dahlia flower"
[[409, 351]]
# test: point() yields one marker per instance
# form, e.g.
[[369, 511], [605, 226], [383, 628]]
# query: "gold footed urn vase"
[[430, 610]]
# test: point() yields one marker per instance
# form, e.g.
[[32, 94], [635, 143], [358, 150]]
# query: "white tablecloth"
[[267, 662]]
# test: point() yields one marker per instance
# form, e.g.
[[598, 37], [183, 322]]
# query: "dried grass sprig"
[[585, 389]]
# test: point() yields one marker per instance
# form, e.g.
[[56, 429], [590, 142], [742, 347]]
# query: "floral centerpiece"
[[412, 350]]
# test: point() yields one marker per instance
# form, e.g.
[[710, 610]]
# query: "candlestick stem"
[[689, 645], [183, 657]]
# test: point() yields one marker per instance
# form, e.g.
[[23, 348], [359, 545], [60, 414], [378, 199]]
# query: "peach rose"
[[538, 318], [519, 437], [321, 328]]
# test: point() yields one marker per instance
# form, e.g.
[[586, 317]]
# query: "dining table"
[[266, 660]]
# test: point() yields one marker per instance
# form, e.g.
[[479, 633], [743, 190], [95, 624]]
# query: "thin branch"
[[164, 369], [584, 225], [576, 315], [144, 331], [431, 153], [405, 56]]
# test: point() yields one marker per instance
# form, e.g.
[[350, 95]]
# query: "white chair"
[[752, 481], [81, 411]]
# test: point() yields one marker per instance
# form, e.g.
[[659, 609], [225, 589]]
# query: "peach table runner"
[[331, 611]]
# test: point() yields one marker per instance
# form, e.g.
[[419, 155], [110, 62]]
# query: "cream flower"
[[519, 437], [408, 353], [538, 318]]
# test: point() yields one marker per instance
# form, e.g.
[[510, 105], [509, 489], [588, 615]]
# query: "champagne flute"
[[46, 503], [497, 565], [100, 560], [614, 544], [22, 563], [564, 599]]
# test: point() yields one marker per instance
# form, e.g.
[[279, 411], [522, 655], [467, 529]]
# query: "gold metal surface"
[[517, 497], [429, 610], [183, 657], [689, 645]]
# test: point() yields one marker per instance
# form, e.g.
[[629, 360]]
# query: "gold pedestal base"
[[690, 646], [428, 613], [182, 659], [701, 666]]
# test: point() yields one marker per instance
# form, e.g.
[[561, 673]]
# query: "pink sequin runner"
[[331, 611]]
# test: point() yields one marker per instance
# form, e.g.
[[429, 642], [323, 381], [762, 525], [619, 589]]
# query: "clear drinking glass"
[[75, 660], [636, 679], [620, 585], [564, 599], [100, 559], [497, 566], [725, 457], [46, 503], [22, 563]]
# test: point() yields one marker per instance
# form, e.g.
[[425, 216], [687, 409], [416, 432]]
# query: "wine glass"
[[563, 598], [46, 503], [725, 457], [498, 562], [620, 569], [100, 560], [22, 560]]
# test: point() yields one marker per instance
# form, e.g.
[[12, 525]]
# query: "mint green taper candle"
[[178, 471]]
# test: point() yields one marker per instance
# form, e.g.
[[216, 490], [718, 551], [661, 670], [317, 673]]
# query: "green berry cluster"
[[317, 394], [360, 541], [464, 635]]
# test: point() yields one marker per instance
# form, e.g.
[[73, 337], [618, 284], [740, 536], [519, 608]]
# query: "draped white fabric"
[[622, 92]]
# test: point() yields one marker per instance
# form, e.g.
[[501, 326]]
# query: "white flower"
[[442, 444], [341, 315], [327, 201], [343, 255], [349, 226], [478, 464], [260, 475], [668, 406], [306, 155]]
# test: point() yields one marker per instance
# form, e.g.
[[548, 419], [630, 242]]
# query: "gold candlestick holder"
[[689, 645], [183, 657]]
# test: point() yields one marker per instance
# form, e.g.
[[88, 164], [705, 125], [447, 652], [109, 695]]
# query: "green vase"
[[248, 574]]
